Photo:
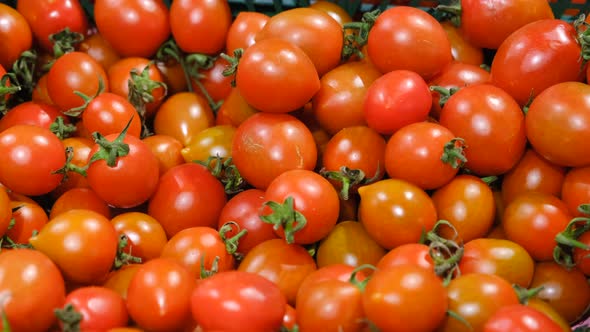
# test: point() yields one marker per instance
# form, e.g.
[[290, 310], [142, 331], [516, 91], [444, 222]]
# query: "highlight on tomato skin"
[[275, 166]]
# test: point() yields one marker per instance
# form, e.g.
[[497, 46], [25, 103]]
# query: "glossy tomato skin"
[[407, 38], [314, 31], [159, 295], [234, 109], [43, 279], [487, 25], [261, 307], [521, 63], [339, 102], [348, 243], [186, 191], [285, 264], [395, 212], [576, 189], [244, 209], [407, 254], [492, 125], [334, 10], [29, 218], [74, 71], [16, 35], [468, 204], [535, 213], [197, 248], [80, 198], [200, 26], [138, 172], [266, 145], [5, 210], [503, 258], [389, 299], [520, 318], [243, 30], [217, 85], [289, 81], [462, 50], [414, 154], [80, 151], [101, 308], [99, 49], [567, 291], [167, 149], [476, 297], [145, 236], [341, 272], [109, 113], [581, 256], [31, 113], [83, 262], [396, 99], [133, 28], [549, 125], [213, 141], [119, 280], [48, 17], [22, 147]]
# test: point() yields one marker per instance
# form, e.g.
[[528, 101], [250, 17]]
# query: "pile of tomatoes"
[[171, 166]]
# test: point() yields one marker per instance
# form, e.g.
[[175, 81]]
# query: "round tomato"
[[99, 49], [220, 303], [119, 280], [15, 35], [214, 141], [266, 145], [159, 296], [408, 38], [520, 318], [558, 124], [186, 191], [575, 190], [80, 198], [29, 218], [395, 212], [334, 10], [462, 50], [492, 125], [243, 30], [145, 236], [43, 279], [31, 113], [211, 81], [389, 299], [109, 113], [408, 254], [167, 149], [29, 158], [133, 28], [341, 272], [80, 147], [5, 211], [275, 75], [101, 309], [234, 109]]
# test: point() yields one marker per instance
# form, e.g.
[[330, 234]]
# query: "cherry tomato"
[[243, 30], [407, 254], [74, 72], [395, 100], [186, 191], [133, 28], [43, 279], [215, 83], [80, 151], [277, 76], [119, 280], [235, 109], [313, 30], [31, 113], [289, 319], [520, 318], [48, 17], [408, 38], [348, 243], [266, 145], [70, 240], [339, 102], [567, 291], [100, 307], [109, 113], [159, 295], [285, 264], [5, 210], [337, 271], [550, 128], [146, 237], [415, 154], [535, 213], [492, 125], [313, 198], [476, 297], [503, 258], [468, 204], [334, 10], [238, 301], [182, 116], [462, 50], [29, 218], [99, 49], [167, 149], [200, 26], [137, 172], [532, 173], [395, 212], [521, 63], [244, 210], [15, 35], [213, 141], [172, 75], [548, 310], [40, 93], [576, 189], [22, 147], [199, 249], [581, 256], [389, 299]]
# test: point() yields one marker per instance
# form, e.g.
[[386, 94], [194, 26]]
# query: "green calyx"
[[454, 153], [284, 215]]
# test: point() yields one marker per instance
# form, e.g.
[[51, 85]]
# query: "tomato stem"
[[226, 172], [77, 111], [361, 285], [348, 178], [454, 153], [284, 215], [460, 318], [110, 151], [583, 38], [357, 38], [214, 267], [233, 61], [64, 42], [6, 91], [69, 167], [141, 88], [451, 12], [444, 93], [524, 294], [122, 257], [61, 129], [231, 244], [69, 317]]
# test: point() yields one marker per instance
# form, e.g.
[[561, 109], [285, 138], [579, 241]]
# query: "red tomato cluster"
[[169, 166]]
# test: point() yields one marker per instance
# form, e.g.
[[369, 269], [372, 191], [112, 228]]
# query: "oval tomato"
[[80, 198], [243, 30], [28, 219], [145, 236], [5, 210], [101, 309], [214, 141], [575, 190], [520, 318], [16, 35], [31, 113], [119, 280]]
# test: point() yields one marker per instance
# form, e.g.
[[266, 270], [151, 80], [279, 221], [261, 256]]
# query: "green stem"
[[361, 285], [61, 129], [69, 317], [454, 153], [284, 215], [122, 257], [110, 151], [231, 244]]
